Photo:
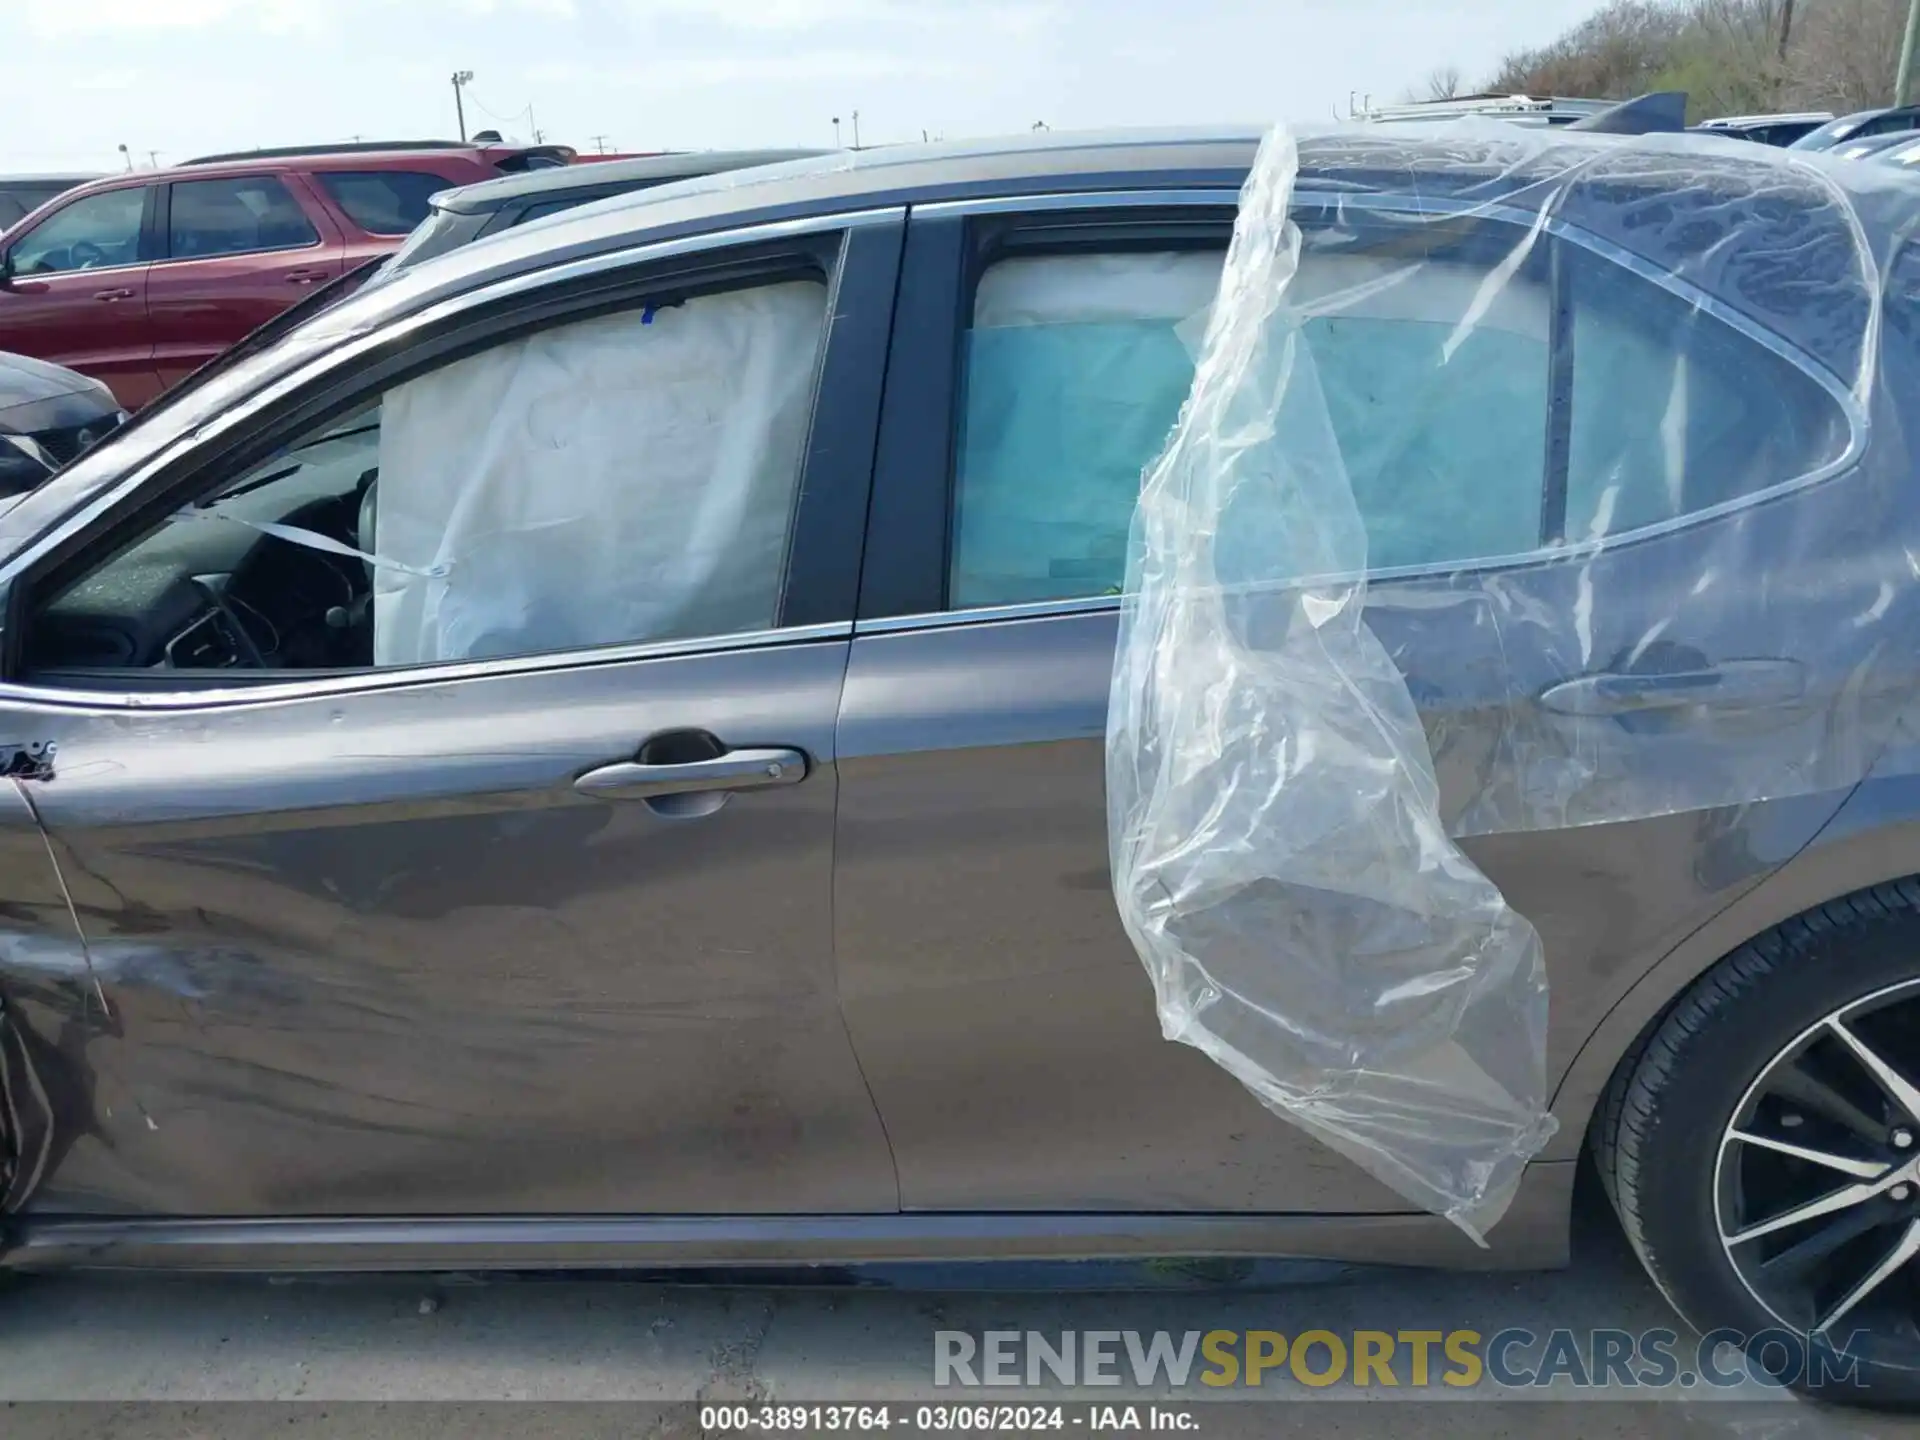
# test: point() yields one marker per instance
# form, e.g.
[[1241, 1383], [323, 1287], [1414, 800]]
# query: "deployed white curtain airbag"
[[629, 478]]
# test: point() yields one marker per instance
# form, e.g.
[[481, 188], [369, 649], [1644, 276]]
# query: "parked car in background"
[[1906, 153], [139, 279], [707, 862], [1863, 147], [49, 417], [1859, 125], [21, 195], [458, 217], [1655, 112], [1766, 129], [1521, 109]]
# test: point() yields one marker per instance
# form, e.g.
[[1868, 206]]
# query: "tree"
[[1844, 54], [1728, 55], [1444, 82]]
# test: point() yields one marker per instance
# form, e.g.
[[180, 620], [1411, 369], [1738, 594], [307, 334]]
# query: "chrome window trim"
[[1859, 423], [358, 682], [39, 275], [985, 614], [1080, 200], [317, 243]]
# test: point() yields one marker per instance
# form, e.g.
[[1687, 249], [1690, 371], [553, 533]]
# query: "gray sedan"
[[440, 833]]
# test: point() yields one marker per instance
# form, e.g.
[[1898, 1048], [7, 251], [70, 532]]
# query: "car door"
[[520, 902], [1003, 1021], [78, 293], [237, 250]]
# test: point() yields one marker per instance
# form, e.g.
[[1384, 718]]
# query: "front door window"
[[93, 233]]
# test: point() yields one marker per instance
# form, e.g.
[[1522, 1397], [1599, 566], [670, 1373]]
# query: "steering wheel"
[[86, 255]]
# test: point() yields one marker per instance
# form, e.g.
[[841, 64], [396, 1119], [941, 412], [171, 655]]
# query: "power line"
[[492, 114]]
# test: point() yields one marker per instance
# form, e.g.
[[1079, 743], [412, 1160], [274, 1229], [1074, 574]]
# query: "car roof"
[[901, 174], [1469, 164], [1840, 130], [489, 195], [56, 177], [1758, 122], [386, 159], [1477, 162]]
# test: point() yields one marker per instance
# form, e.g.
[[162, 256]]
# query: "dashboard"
[[208, 591]]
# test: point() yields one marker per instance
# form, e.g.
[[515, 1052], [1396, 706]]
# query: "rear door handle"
[[735, 770], [1730, 685], [305, 277], [113, 294]]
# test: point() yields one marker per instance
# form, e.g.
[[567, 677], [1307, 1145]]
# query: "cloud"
[[106, 80], [58, 20], [695, 72], [845, 17]]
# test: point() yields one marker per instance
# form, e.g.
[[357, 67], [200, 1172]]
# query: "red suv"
[[141, 278]]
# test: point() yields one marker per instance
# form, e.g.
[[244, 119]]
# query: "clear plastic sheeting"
[[1075, 370], [625, 478], [1527, 481]]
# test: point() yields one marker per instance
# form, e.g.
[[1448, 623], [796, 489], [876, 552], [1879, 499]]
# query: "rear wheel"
[[1762, 1147]]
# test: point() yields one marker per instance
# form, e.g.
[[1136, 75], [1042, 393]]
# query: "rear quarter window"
[[383, 202], [1676, 411]]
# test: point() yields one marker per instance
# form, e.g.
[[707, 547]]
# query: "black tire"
[[1658, 1132]]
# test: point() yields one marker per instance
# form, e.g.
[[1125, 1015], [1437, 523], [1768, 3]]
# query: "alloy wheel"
[[1817, 1180]]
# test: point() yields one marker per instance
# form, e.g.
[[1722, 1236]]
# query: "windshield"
[[325, 298], [1833, 132], [421, 240]]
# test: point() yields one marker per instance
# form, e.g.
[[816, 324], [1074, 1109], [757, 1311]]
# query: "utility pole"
[[856, 114], [1902, 86], [534, 125], [461, 79], [600, 144], [153, 159]]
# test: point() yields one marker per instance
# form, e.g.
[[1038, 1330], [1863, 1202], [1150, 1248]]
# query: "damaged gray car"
[[591, 752]]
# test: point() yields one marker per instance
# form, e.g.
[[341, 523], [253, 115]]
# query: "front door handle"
[[1730, 685], [735, 770], [113, 294], [305, 277]]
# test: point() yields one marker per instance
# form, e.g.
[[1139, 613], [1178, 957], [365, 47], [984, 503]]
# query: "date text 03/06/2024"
[[962, 1418]]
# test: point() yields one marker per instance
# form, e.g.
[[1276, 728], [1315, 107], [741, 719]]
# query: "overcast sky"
[[185, 76]]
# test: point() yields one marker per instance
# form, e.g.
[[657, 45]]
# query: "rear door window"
[[1077, 366], [383, 202], [235, 216], [1436, 383]]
